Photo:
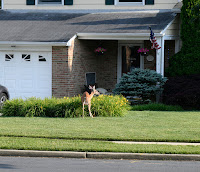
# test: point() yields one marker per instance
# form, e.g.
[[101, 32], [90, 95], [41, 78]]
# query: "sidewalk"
[[158, 143], [100, 155]]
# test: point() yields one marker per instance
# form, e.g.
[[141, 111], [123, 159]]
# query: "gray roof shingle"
[[60, 27]]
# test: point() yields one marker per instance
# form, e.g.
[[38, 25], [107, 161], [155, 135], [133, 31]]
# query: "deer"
[[86, 99]]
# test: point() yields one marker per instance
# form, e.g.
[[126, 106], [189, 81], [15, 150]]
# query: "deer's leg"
[[83, 110], [89, 108]]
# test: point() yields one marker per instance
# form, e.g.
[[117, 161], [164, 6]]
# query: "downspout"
[[2, 4], [69, 43]]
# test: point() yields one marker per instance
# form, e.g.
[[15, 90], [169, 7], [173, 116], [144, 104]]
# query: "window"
[[129, 2], [26, 57], [9, 57], [50, 1], [42, 59]]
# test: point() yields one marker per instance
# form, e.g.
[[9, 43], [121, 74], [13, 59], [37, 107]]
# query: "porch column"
[[160, 56]]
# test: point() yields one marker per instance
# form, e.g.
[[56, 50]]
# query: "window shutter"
[[30, 2], [149, 2], [68, 2], [110, 2]]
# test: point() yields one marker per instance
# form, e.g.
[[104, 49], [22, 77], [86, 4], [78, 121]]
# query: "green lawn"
[[136, 126], [92, 134], [90, 146]]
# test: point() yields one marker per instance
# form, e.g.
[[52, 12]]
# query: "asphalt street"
[[25, 164]]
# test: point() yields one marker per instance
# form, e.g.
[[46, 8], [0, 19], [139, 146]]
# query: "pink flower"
[[142, 50], [100, 49]]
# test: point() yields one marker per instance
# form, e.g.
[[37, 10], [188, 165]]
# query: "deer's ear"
[[90, 87]]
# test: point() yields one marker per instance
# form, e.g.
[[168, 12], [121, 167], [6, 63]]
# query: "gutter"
[[117, 36], [24, 43]]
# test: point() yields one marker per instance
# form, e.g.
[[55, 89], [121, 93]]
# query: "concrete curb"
[[30, 153], [143, 156], [100, 155]]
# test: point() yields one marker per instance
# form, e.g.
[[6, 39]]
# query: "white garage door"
[[26, 74]]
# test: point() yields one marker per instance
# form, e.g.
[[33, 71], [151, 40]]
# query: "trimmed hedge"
[[183, 91], [103, 105]]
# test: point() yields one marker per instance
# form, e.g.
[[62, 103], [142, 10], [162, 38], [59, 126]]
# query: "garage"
[[26, 73]]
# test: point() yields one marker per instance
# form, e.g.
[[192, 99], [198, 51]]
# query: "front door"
[[129, 58]]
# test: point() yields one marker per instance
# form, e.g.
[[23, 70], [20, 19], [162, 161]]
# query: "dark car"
[[4, 95]]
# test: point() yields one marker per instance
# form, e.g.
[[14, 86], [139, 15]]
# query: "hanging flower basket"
[[100, 51], [143, 51]]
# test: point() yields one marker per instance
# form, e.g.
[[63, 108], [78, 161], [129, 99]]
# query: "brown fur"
[[86, 99]]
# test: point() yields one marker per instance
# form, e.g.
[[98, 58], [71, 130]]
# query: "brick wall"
[[71, 63], [59, 71]]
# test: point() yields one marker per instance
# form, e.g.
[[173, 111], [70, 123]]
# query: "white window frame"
[[129, 3], [37, 3]]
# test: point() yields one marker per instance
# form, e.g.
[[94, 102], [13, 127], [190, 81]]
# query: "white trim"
[[69, 43], [116, 36], [129, 3], [119, 58], [177, 45], [2, 4], [13, 43], [27, 48], [37, 3], [159, 56], [162, 56], [171, 37]]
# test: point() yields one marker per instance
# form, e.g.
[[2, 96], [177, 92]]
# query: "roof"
[[60, 26]]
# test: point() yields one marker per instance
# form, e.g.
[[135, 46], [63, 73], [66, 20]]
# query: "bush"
[[183, 91], [141, 83], [65, 107]]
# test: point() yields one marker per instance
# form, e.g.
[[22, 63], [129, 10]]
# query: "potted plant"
[[143, 51], [100, 50]]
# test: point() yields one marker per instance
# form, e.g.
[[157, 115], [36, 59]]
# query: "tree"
[[187, 61]]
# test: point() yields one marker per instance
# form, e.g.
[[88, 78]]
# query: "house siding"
[[174, 29], [70, 65], [88, 4]]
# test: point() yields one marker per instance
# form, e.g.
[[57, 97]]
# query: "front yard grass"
[[45, 144], [89, 134]]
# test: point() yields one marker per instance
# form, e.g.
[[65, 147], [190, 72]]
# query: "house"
[[47, 47]]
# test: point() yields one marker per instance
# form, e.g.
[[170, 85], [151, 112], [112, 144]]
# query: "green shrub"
[[103, 105], [109, 105], [156, 107], [142, 83], [187, 61]]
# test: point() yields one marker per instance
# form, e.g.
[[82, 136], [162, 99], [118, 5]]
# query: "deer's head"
[[92, 88]]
